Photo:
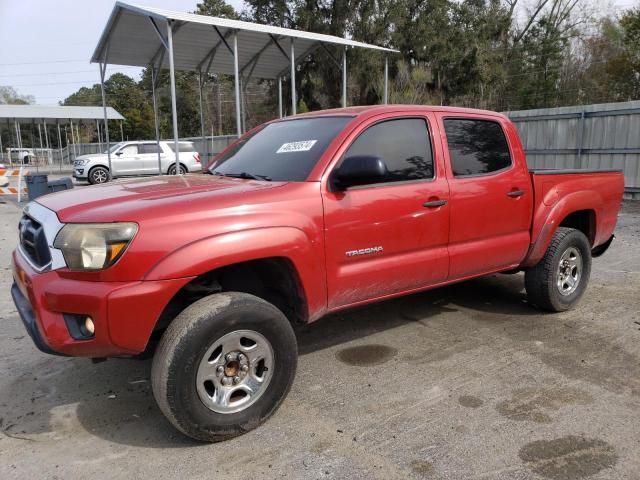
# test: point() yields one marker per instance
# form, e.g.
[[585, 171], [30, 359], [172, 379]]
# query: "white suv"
[[136, 158]]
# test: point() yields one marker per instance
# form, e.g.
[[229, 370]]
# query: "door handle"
[[515, 193], [434, 203]]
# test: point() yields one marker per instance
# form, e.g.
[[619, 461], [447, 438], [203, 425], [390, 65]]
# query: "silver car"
[[130, 159]]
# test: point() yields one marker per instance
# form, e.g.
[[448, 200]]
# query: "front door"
[[127, 161], [389, 237], [491, 197]]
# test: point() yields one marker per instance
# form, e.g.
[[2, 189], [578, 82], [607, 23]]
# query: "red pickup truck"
[[300, 217]]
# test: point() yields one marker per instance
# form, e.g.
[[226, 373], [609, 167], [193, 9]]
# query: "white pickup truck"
[[130, 159]]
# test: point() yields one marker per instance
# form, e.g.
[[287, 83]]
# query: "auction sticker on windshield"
[[302, 146]]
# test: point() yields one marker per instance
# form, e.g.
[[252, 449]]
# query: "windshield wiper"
[[244, 175]]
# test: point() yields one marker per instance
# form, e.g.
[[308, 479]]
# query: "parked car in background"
[[21, 155], [132, 159], [301, 217]]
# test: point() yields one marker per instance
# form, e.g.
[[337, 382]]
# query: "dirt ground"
[[464, 382]]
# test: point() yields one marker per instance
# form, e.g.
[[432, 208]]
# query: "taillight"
[[197, 157]]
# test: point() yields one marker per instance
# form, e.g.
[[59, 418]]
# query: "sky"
[[45, 45]]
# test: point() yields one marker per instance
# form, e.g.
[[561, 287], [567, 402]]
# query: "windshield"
[[283, 151], [113, 148]]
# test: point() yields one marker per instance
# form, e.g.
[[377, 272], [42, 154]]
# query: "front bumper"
[[124, 313], [80, 173], [29, 319]]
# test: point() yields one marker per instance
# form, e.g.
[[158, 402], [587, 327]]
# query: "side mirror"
[[119, 153], [359, 170]]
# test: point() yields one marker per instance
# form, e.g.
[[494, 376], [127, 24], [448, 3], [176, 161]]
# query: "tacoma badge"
[[364, 251]]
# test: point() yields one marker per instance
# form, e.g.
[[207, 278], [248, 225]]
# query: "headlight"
[[80, 162], [94, 246]]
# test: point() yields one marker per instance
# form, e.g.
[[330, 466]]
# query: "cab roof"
[[370, 110]]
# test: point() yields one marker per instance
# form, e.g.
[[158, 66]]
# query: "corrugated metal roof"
[[40, 112], [132, 40]]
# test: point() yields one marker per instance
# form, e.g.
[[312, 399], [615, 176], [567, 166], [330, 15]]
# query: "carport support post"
[[121, 132], [46, 139], [344, 77], [73, 140], [204, 141], [174, 108], [99, 137], [280, 96], [40, 137], [154, 75], [386, 79], [19, 137], [103, 70], [60, 144], [236, 78], [294, 100]]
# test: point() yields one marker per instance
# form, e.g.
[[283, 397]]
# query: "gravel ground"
[[462, 382]]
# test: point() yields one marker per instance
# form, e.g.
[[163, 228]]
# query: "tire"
[[172, 169], [188, 353], [553, 288], [98, 175]]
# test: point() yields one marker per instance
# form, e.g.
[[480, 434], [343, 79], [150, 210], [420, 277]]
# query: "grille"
[[34, 242]]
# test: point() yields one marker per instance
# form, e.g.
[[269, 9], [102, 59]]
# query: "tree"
[[125, 95], [9, 96], [216, 8], [495, 54]]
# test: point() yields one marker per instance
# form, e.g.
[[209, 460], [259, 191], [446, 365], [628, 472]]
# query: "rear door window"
[[476, 147], [149, 148]]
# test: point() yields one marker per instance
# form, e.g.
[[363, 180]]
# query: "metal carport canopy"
[[28, 113], [151, 37], [132, 40], [32, 114]]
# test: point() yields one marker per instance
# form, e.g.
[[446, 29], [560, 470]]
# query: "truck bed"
[[557, 193]]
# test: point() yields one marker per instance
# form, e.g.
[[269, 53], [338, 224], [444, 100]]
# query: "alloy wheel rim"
[[99, 176], [235, 371], [569, 271]]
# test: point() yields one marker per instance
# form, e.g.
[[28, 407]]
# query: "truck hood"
[[128, 199]]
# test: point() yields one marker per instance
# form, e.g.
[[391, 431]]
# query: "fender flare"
[[547, 221], [211, 253]]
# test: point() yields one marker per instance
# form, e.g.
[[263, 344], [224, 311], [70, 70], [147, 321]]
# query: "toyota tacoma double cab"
[[300, 217]]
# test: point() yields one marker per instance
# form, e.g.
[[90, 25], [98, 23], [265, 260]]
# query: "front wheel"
[[224, 365], [172, 169], [558, 281], [98, 175]]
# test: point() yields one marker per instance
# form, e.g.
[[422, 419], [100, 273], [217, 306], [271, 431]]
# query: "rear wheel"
[[224, 365], [558, 281], [98, 175], [172, 169]]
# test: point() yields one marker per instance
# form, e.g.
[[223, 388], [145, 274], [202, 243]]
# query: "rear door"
[[389, 237], [127, 161], [148, 152], [491, 196]]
